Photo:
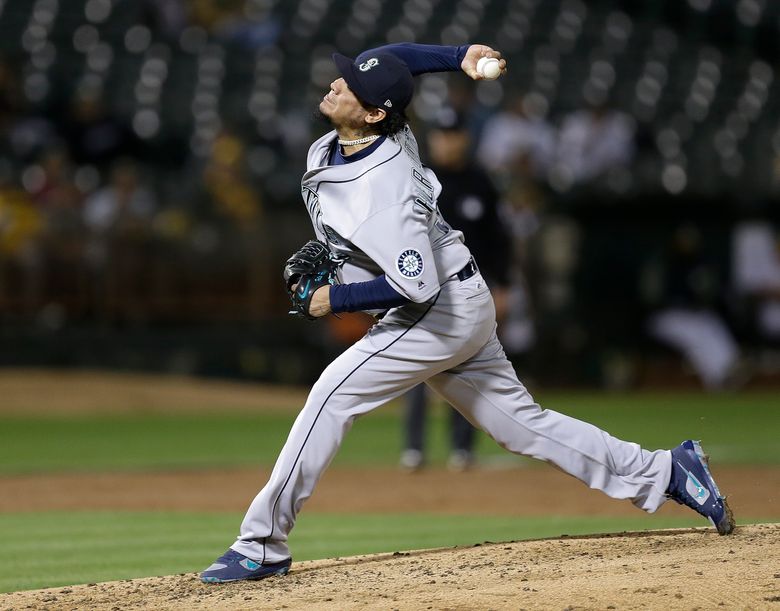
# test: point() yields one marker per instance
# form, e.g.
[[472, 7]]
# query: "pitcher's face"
[[343, 107]]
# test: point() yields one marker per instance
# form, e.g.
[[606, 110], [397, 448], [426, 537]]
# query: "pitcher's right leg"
[[486, 390]]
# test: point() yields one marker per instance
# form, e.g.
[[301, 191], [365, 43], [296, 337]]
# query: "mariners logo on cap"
[[410, 263], [367, 65]]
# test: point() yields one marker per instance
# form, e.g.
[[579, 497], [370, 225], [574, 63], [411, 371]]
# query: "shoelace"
[[228, 556], [312, 249]]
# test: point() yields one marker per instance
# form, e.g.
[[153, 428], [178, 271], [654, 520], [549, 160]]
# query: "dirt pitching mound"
[[672, 569]]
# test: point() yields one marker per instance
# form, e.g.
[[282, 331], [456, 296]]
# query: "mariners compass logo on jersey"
[[410, 263]]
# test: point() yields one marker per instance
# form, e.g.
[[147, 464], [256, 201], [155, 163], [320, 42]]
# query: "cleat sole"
[[278, 573], [727, 525]]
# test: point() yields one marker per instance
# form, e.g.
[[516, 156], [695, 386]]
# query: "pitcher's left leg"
[[354, 384]]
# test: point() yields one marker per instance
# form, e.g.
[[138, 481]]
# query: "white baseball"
[[489, 68]]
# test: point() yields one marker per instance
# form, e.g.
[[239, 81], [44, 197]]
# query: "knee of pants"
[[335, 402]]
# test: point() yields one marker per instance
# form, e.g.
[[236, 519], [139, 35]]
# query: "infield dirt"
[[674, 569]]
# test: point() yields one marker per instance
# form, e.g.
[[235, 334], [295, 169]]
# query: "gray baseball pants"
[[452, 346]]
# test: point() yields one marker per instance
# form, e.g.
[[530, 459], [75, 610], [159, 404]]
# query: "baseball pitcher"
[[383, 247]]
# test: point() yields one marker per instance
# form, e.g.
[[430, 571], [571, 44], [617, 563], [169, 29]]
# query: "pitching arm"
[[422, 59]]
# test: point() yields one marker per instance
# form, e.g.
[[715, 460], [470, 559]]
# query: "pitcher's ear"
[[375, 115]]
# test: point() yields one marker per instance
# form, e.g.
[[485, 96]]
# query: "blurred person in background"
[[213, 15], [167, 18], [470, 202], [94, 135], [52, 186], [519, 130], [756, 277], [592, 142], [522, 207], [688, 290], [118, 220], [21, 229], [124, 205], [50, 182], [10, 93], [237, 21], [226, 183], [24, 131]]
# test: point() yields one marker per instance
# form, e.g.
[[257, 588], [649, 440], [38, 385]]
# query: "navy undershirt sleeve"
[[376, 294], [422, 59]]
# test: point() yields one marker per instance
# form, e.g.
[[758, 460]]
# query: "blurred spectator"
[[688, 291], [23, 133], [461, 97], [118, 218], [50, 181], [226, 182], [756, 276], [20, 221], [124, 205], [522, 205], [213, 15], [21, 227], [11, 98], [93, 134], [519, 134], [168, 18], [592, 142], [469, 203], [237, 21], [51, 185]]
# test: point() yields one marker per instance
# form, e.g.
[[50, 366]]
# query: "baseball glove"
[[311, 267]]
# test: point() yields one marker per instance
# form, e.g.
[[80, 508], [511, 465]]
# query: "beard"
[[321, 117]]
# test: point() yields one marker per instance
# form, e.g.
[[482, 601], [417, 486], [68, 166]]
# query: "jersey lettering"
[[312, 201], [423, 189]]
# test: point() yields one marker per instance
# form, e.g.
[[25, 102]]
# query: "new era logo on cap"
[[382, 80]]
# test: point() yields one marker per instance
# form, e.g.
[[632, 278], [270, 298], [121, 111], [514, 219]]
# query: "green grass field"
[[737, 428], [52, 549]]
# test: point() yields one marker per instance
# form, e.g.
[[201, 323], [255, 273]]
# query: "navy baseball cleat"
[[232, 566], [692, 485]]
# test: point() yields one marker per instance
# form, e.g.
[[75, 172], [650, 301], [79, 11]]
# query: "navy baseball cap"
[[382, 80]]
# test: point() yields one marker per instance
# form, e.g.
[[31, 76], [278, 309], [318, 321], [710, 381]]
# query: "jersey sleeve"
[[396, 239], [422, 59]]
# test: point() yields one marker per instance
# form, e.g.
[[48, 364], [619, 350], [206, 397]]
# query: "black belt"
[[468, 271]]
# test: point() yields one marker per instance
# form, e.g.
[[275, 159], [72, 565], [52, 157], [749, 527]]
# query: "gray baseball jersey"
[[381, 212]]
